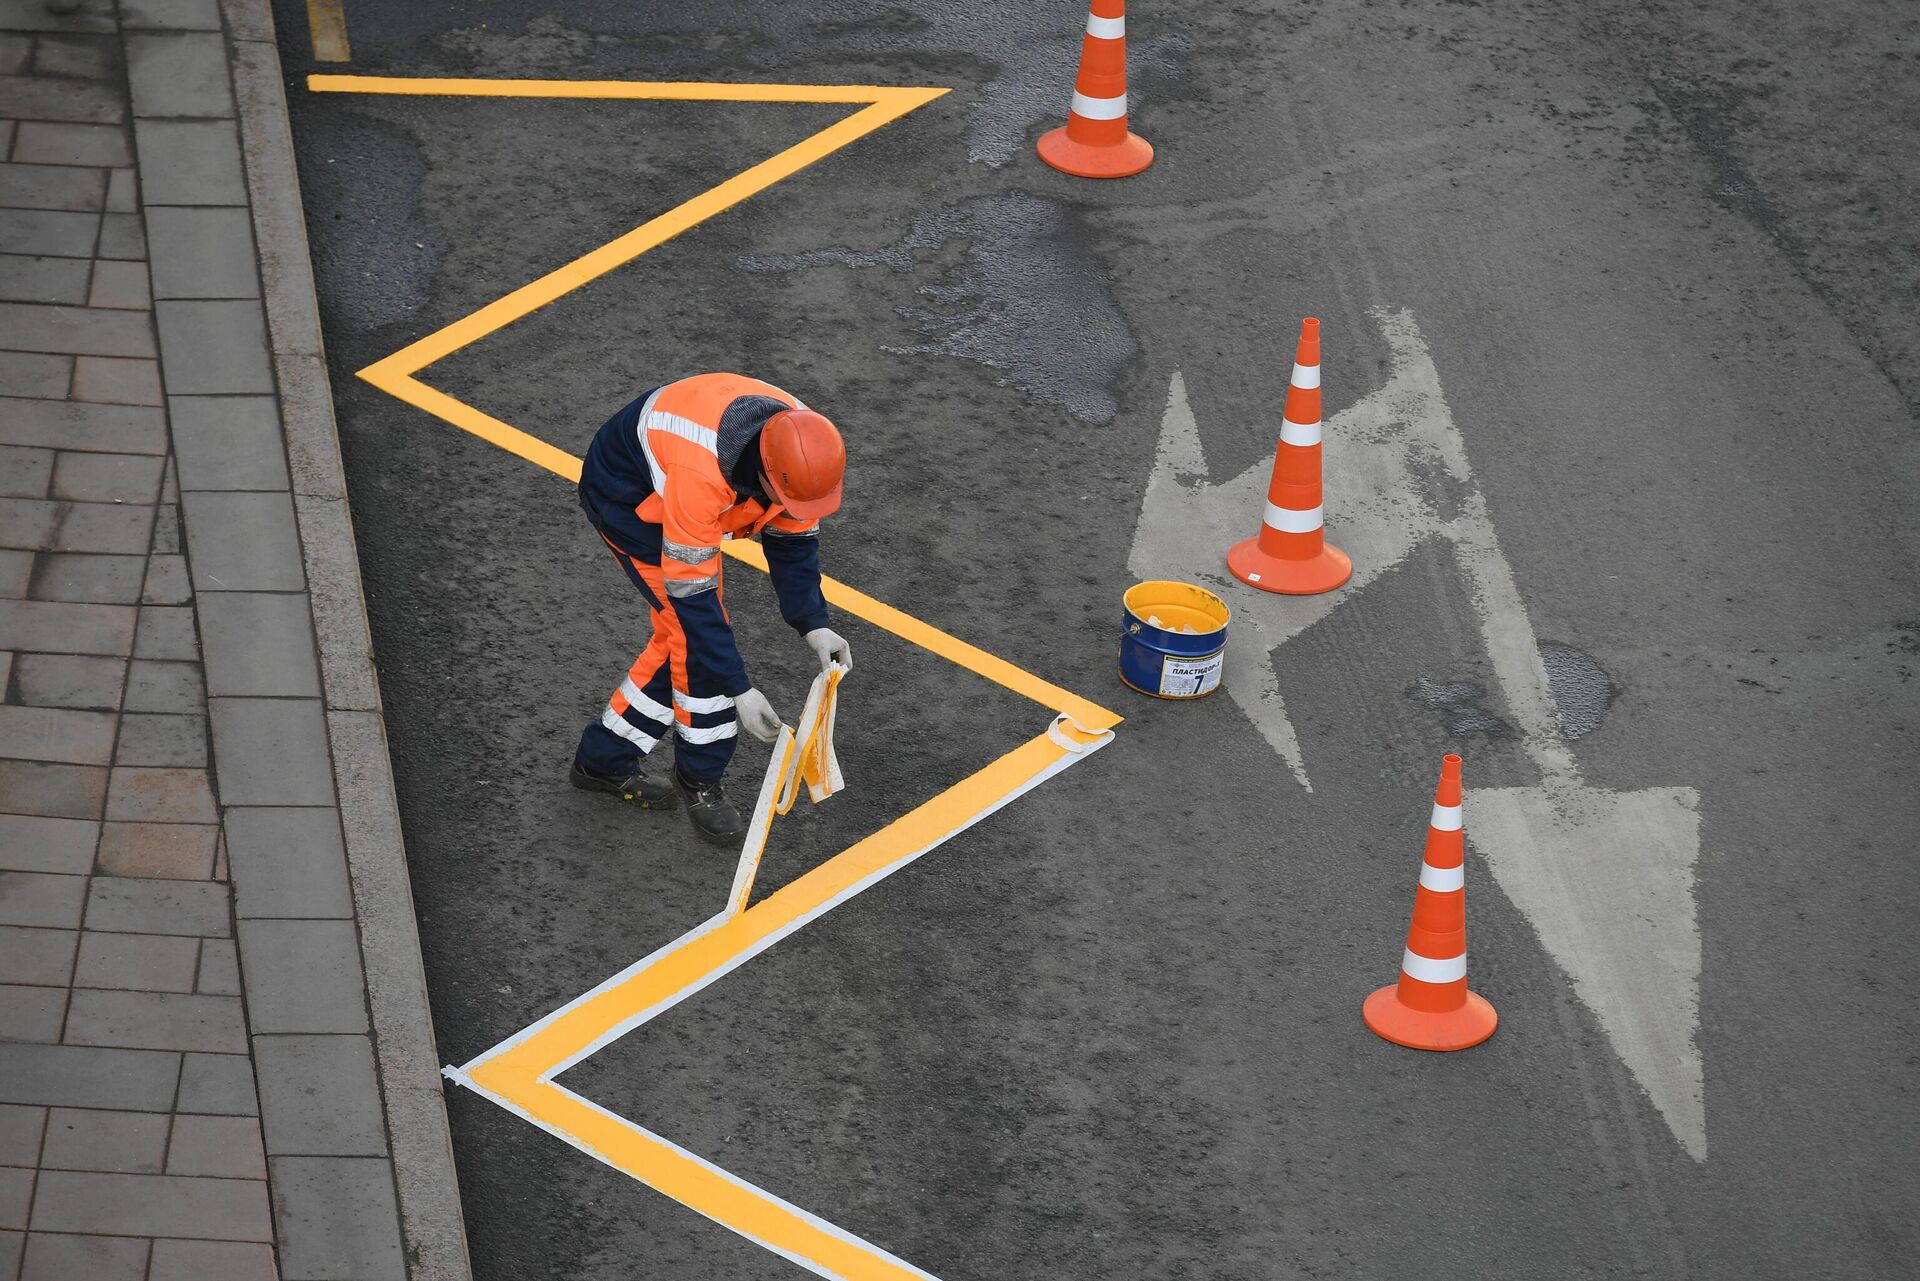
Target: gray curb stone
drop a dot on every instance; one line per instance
(405, 1057)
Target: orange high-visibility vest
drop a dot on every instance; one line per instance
(682, 429)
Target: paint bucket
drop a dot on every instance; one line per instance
(1173, 641)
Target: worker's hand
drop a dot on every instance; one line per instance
(831, 647)
(757, 716)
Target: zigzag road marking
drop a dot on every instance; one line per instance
(518, 1073)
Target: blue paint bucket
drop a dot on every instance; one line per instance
(1173, 641)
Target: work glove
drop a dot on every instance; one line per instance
(757, 716)
(830, 647)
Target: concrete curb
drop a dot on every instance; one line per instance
(408, 1063)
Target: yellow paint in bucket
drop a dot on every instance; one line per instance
(1174, 639)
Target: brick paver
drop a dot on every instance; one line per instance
(117, 380)
(52, 1254)
(74, 425)
(37, 844)
(31, 374)
(181, 1096)
(210, 1261)
(119, 983)
(27, 473)
(144, 962)
(31, 956)
(149, 1205)
(69, 680)
(96, 1139)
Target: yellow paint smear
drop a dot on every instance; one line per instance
(327, 28)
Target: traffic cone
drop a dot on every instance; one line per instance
(1290, 553)
(1094, 143)
(1430, 1007)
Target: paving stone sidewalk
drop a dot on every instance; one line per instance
(194, 793)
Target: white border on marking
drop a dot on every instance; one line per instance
(1072, 752)
(774, 936)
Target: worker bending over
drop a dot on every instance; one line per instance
(665, 480)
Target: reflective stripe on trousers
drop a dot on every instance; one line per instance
(659, 697)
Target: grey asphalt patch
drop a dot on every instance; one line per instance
(1027, 299)
(1460, 701)
(379, 255)
(1582, 690)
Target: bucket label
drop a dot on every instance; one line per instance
(1191, 677)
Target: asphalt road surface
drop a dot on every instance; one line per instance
(1630, 293)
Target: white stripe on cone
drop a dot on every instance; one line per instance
(1306, 377)
(1292, 433)
(1446, 818)
(1114, 108)
(1442, 880)
(1427, 969)
(1289, 521)
(1106, 28)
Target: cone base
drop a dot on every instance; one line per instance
(1457, 1029)
(1270, 573)
(1122, 159)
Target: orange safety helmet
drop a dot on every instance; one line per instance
(804, 459)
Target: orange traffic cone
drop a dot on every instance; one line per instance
(1290, 553)
(1095, 143)
(1430, 1007)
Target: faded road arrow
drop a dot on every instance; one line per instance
(1606, 878)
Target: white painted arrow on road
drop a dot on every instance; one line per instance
(1605, 877)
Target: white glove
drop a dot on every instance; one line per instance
(757, 716)
(831, 647)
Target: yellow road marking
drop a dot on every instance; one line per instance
(884, 106)
(709, 1190)
(518, 1073)
(395, 374)
(464, 416)
(680, 970)
(648, 90)
(327, 27)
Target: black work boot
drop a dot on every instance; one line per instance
(712, 814)
(642, 790)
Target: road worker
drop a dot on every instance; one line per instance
(665, 481)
